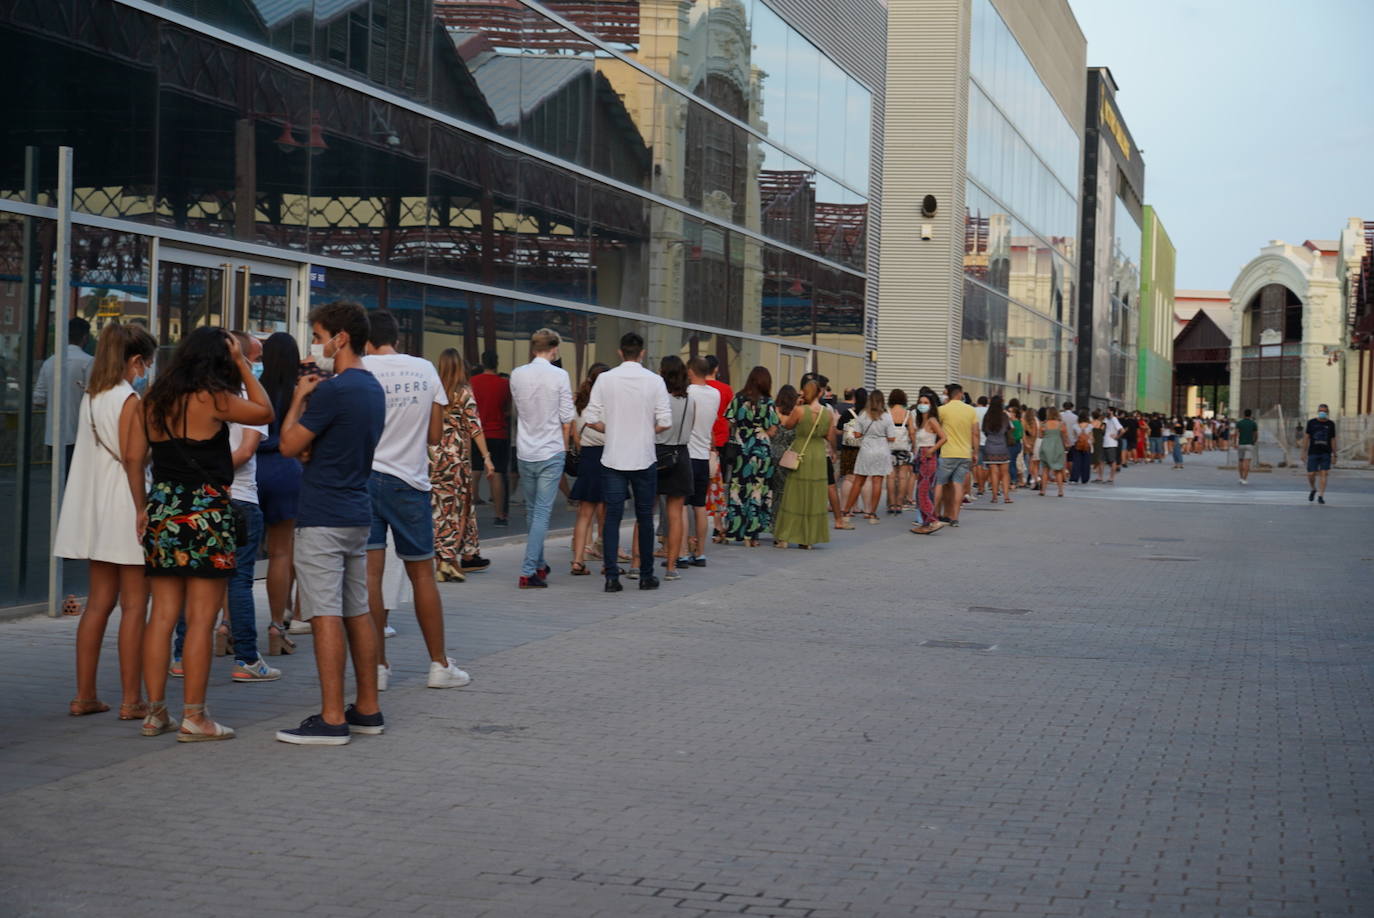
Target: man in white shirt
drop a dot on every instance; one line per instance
(980, 460)
(75, 372)
(400, 490)
(630, 405)
(707, 403)
(1068, 418)
(542, 398)
(1111, 442)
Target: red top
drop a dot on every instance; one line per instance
(720, 431)
(492, 393)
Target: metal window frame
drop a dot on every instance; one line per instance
(424, 111)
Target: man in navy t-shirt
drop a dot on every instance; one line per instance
(1319, 449)
(339, 420)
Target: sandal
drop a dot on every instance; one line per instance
(224, 643)
(579, 569)
(277, 641)
(843, 523)
(779, 544)
(157, 721)
(72, 606)
(872, 518)
(80, 707)
(136, 711)
(192, 732)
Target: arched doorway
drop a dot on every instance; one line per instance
(1271, 352)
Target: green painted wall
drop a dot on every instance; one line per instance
(1155, 362)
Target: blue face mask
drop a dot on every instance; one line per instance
(257, 370)
(1322, 415)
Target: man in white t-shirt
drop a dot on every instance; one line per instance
(400, 490)
(1111, 442)
(542, 397)
(980, 459)
(707, 402)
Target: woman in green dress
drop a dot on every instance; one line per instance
(804, 502)
(753, 420)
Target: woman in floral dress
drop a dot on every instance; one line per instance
(753, 420)
(455, 523)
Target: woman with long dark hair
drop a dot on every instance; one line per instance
(753, 420)
(279, 489)
(899, 483)
(456, 547)
(99, 518)
(674, 465)
(996, 429)
(588, 443)
(929, 437)
(874, 433)
(188, 527)
(780, 443)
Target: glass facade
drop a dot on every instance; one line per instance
(695, 171)
(1124, 292)
(1021, 225)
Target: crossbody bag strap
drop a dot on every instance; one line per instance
(95, 430)
(815, 422)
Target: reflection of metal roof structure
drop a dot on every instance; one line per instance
(321, 12)
(515, 85)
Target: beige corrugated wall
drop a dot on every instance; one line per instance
(924, 149)
(924, 152)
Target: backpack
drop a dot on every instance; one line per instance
(1084, 443)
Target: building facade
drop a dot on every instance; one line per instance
(1109, 266)
(704, 172)
(984, 119)
(1290, 330)
(1155, 343)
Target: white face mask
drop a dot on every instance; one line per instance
(923, 407)
(321, 361)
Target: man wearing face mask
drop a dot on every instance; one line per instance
(1318, 450)
(339, 420)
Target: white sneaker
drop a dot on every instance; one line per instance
(383, 677)
(450, 676)
(1244, 482)
(388, 631)
(298, 627)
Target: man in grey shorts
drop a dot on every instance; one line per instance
(339, 419)
(1246, 435)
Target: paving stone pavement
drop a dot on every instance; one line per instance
(1174, 718)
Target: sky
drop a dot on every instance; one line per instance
(1255, 118)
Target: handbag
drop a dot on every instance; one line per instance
(792, 458)
(668, 455)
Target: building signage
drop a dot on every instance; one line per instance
(1112, 122)
(316, 278)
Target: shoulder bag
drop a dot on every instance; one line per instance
(792, 458)
(668, 455)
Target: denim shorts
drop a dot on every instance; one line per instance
(1319, 462)
(406, 512)
(951, 470)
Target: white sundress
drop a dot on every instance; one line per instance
(875, 453)
(98, 520)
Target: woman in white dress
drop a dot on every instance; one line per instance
(99, 521)
(874, 433)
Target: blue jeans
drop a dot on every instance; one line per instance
(1178, 450)
(1080, 465)
(539, 480)
(243, 616)
(615, 486)
(1013, 454)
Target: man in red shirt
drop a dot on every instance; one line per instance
(491, 390)
(720, 435)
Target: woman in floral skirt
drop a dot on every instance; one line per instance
(753, 420)
(455, 524)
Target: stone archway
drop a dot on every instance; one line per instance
(1271, 351)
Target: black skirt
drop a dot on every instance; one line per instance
(587, 485)
(676, 481)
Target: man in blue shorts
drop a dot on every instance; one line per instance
(1319, 448)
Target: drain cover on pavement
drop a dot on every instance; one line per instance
(998, 611)
(958, 645)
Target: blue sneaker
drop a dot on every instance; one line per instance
(368, 724)
(315, 731)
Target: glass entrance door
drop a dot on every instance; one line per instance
(793, 364)
(196, 288)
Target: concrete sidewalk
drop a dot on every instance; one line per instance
(1144, 699)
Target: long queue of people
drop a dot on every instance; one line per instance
(330, 462)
